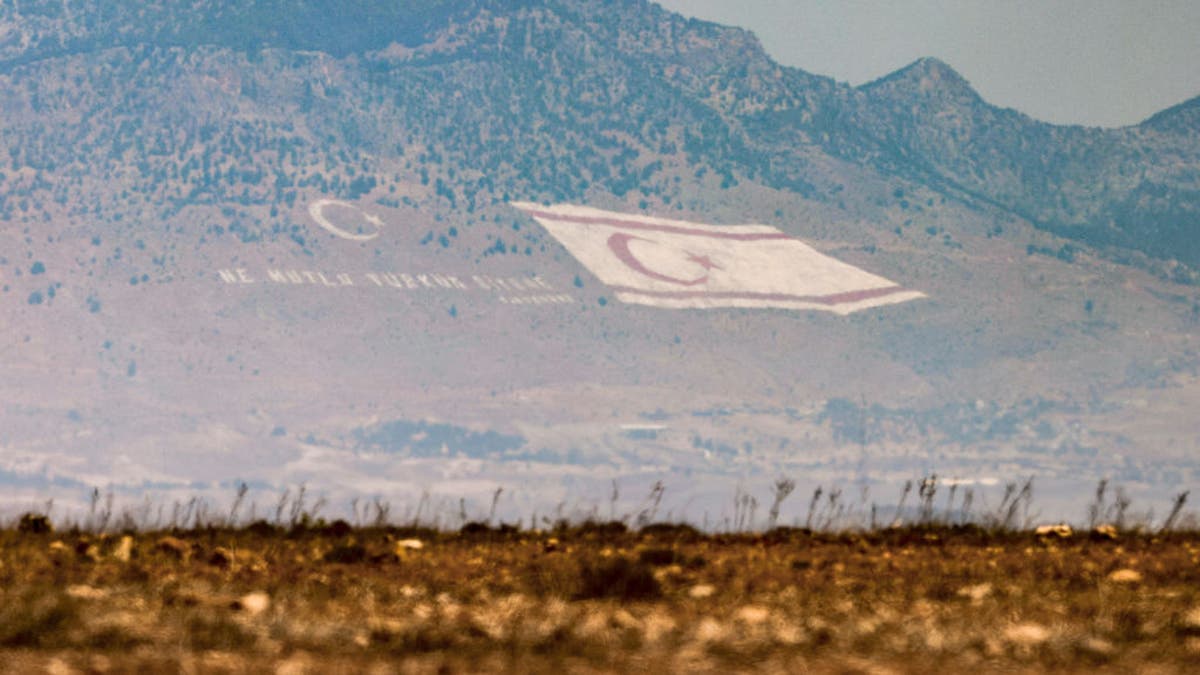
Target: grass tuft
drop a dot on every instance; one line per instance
(619, 578)
(34, 523)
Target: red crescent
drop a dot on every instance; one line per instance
(619, 245)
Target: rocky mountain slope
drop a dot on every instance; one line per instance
(531, 94)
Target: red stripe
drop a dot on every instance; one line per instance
(834, 299)
(654, 227)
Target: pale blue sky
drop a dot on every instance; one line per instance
(1096, 62)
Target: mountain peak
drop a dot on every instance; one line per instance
(926, 75)
(932, 65)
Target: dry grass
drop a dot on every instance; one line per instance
(596, 598)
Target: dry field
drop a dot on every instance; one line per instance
(596, 598)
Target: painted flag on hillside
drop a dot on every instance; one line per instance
(675, 263)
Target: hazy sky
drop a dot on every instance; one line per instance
(1097, 62)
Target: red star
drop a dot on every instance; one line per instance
(703, 261)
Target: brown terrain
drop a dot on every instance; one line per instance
(597, 598)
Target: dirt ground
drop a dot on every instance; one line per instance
(596, 598)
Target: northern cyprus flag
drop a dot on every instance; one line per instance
(676, 263)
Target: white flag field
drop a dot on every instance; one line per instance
(680, 264)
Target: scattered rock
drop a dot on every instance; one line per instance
(84, 592)
(221, 557)
(935, 640)
(1189, 623)
(788, 633)
(123, 551)
(298, 663)
(57, 666)
(593, 626)
(668, 573)
(976, 593)
(1058, 531)
(173, 546)
(701, 591)
(1096, 648)
(709, 630)
(87, 551)
(621, 618)
(1104, 532)
(658, 625)
(867, 625)
(253, 603)
(820, 630)
(1026, 635)
(1125, 576)
(384, 629)
(753, 614)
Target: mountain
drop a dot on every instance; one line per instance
(740, 112)
(177, 317)
(1182, 120)
(1119, 188)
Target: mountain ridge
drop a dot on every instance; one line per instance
(1183, 118)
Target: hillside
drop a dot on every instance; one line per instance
(177, 318)
(637, 82)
